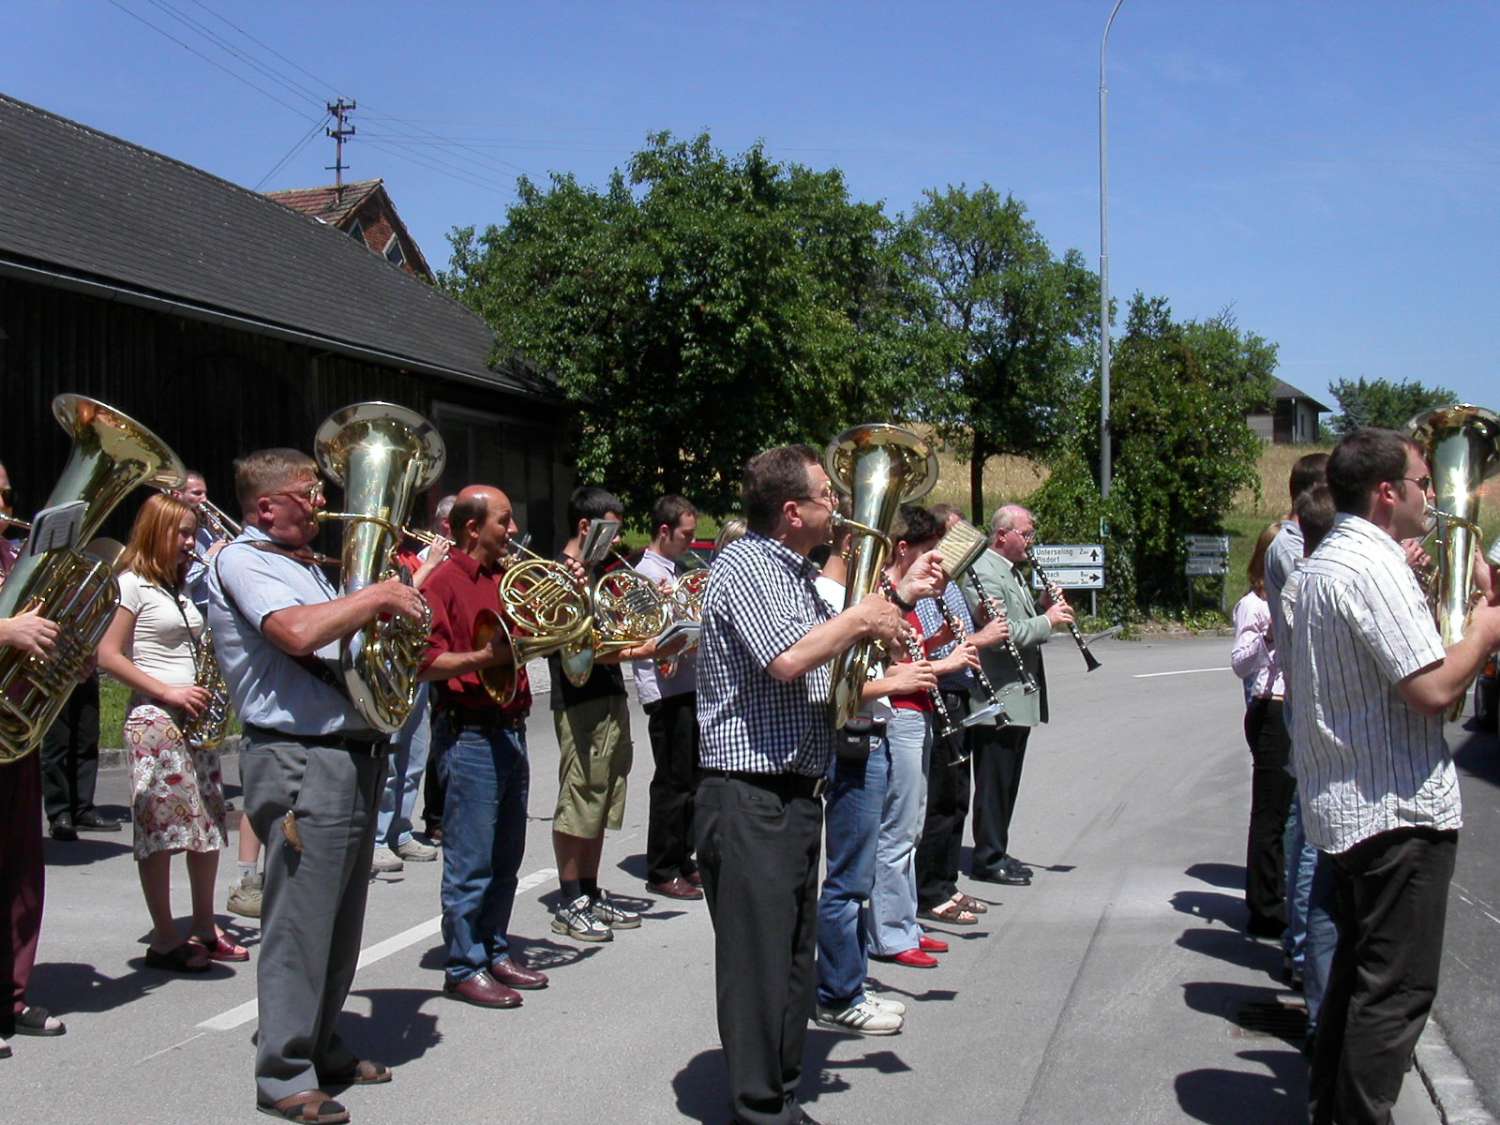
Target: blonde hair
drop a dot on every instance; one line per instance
(731, 529)
(152, 552)
(265, 471)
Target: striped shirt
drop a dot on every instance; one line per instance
(930, 619)
(1366, 762)
(760, 602)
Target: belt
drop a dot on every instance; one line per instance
(482, 720)
(782, 784)
(368, 747)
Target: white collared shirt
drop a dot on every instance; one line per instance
(1366, 761)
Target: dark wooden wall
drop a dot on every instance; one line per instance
(213, 392)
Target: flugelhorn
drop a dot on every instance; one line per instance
(1462, 447)
(879, 467)
(383, 455)
(112, 454)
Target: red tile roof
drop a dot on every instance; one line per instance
(326, 203)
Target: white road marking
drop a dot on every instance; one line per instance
(244, 1013)
(173, 1047)
(1184, 672)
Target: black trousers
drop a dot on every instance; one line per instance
(758, 852)
(947, 808)
(1272, 789)
(999, 755)
(1391, 894)
(434, 788)
(70, 753)
(673, 726)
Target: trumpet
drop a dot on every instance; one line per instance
(1054, 591)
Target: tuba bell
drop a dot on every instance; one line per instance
(111, 455)
(383, 455)
(879, 467)
(1462, 447)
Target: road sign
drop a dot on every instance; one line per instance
(1199, 566)
(1070, 554)
(1073, 577)
(1207, 544)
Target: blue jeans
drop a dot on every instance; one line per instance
(1300, 857)
(408, 759)
(484, 837)
(1322, 940)
(892, 918)
(851, 814)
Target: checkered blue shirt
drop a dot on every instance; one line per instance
(761, 601)
(930, 618)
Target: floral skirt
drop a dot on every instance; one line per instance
(177, 791)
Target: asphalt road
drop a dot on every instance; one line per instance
(1115, 988)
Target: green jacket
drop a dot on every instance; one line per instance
(1028, 629)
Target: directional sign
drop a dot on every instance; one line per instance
(1070, 554)
(1073, 577)
(1204, 565)
(1207, 544)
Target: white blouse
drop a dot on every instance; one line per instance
(160, 645)
(1253, 659)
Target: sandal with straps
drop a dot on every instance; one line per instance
(364, 1072)
(311, 1107)
(949, 912)
(220, 948)
(36, 1020)
(970, 903)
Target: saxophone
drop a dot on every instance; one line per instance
(207, 731)
(112, 453)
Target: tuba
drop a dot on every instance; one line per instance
(1462, 447)
(383, 455)
(111, 455)
(547, 613)
(879, 467)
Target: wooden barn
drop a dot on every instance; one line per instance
(227, 322)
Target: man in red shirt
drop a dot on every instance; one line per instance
(483, 751)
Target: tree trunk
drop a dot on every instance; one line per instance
(976, 483)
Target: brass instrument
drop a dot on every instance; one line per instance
(1054, 591)
(112, 454)
(995, 607)
(880, 467)
(629, 610)
(383, 455)
(1462, 446)
(687, 605)
(547, 613)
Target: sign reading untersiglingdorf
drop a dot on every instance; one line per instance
(1207, 555)
(1073, 566)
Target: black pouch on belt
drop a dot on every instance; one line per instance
(854, 740)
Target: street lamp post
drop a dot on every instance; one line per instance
(1104, 450)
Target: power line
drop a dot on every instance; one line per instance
(492, 160)
(212, 62)
(442, 168)
(266, 46)
(295, 149)
(224, 45)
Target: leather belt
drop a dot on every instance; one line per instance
(482, 720)
(368, 747)
(782, 784)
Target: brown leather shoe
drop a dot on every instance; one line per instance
(676, 887)
(511, 973)
(483, 990)
(312, 1107)
(694, 877)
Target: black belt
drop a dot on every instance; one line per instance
(782, 784)
(367, 747)
(482, 720)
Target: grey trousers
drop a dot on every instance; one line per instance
(313, 910)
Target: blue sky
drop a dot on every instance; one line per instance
(1327, 170)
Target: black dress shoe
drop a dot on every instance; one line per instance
(1003, 876)
(90, 821)
(1016, 867)
(62, 828)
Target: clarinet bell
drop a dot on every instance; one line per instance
(988, 711)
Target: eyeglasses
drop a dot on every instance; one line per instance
(1026, 536)
(827, 495)
(1424, 483)
(311, 494)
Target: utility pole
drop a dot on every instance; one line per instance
(1104, 435)
(339, 110)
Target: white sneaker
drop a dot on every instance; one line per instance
(577, 921)
(894, 1007)
(414, 851)
(863, 1018)
(385, 860)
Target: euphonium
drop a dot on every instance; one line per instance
(111, 455)
(383, 455)
(542, 610)
(880, 467)
(1462, 447)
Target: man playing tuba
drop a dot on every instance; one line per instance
(312, 772)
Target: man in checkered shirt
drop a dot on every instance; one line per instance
(767, 738)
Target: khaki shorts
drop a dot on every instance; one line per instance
(594, 758)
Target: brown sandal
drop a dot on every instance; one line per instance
(970, 903)
(311, 1107)
(950, 913)
(364, 1072)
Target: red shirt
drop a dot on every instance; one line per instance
(458, 590)
(917, 700)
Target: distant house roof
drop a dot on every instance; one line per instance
(88, 211)
(1286, 390)
(338, 208)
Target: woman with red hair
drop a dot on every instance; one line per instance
(177, 792)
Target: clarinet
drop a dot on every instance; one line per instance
(992, 707)
(996, 609)
(1054, 592)
(914, 651)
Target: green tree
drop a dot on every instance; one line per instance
(1013, 325)
(1182, 449)
(699, 309)
(1380, 402)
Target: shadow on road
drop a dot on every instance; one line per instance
(84, 850)
(1476, 756)
(68, 986)
(700, 1085)
(1233, 948)
(537, 953)
(1212, 907)
(1230, 876)
(397, 1030)
(1227, 1097)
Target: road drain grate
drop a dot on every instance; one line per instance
(1269, 1019)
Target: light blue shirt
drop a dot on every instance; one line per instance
(269, 688)
(650, 685)
(197, 572)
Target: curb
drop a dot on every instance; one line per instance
(1453, 1091)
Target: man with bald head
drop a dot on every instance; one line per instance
(482, 748)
